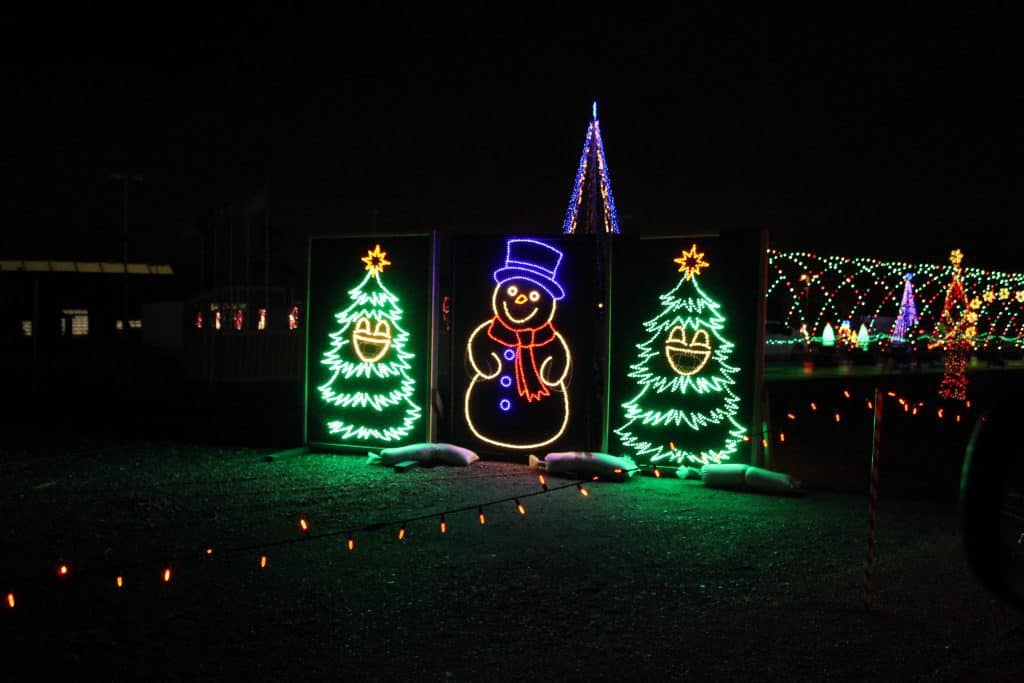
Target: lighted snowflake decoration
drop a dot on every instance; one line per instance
(971, 332)
(1004, 294)
(989, 296)
(690, 262)
(1020, 296)
(975, 303)
(375, 261)
(955, 257)
(972, 317)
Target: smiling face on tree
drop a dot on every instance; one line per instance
(371, 340)
(522, 303)
(687, 356)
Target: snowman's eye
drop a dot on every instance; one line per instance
(535, 296)
(512, 290)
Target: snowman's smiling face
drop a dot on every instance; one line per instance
(520, 302)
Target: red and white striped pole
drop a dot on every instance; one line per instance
(869, 559)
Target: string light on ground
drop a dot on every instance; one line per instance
(401, 533)
(167, 571)
(910, 407)
(303, 524)
(543, 481)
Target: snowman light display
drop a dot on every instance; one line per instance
(518, 396)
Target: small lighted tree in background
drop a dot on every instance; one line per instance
(828, 336)
(955, 332)
(685, 410)
(370, 388)
(863, 337)
(907, 317)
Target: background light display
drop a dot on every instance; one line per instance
(593, 181)
(812, 290)
(522, 337)
(955, 333)
(683, 348)
(369, 341)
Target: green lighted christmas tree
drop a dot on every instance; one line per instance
(685, 411)
(370, 388)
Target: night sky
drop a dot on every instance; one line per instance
(866, 132)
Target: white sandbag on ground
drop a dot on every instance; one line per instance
(425, 453)
(686, 472)
(723, 476)
(587, 464)
(770, 482)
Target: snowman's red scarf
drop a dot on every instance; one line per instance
(524, 340)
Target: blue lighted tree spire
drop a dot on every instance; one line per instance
(907, 317)
(591, 205)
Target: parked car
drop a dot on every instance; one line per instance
(992, 501)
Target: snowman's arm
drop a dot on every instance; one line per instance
(478, 360)
(554, 368)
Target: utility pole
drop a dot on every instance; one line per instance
(125, 179)
(266, 244)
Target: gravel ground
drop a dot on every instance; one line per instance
(655, 578)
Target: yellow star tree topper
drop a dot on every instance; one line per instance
(375, 261)
(690, 262)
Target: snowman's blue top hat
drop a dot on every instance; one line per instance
(534, 261)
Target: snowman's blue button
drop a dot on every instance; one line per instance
(510, 354)
(506, 381)
(505, 404)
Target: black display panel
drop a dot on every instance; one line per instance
(369, 341)
(523, 317)
(686, 315)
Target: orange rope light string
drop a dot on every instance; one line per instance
(167, 571)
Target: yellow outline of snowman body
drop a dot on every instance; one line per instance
(479, 375)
